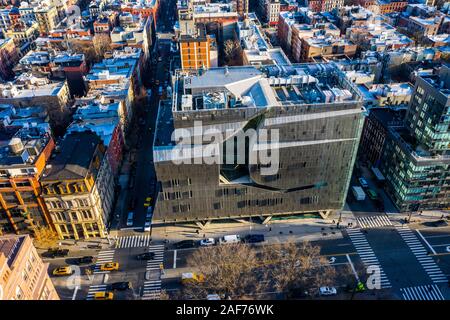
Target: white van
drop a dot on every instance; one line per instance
(130, 219)
(233, 238)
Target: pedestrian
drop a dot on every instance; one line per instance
(270, 229)
(442, 217)
(204, 235)
(198, 231)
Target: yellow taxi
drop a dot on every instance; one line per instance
(192, 277)
(106, 295)
(148, 202)
(63, 271)
(110, 266)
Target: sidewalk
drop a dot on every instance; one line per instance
(424, 216)
(311, 229)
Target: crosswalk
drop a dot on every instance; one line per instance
(133, 241)
(152, 288)
(429, 292)
(374, 221)
(104, 256)
(95, 288)
(367, 255)
(417, 248)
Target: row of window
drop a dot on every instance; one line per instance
(176, 183)
(7, 184)
(65, 188)
(259, 203)
(177, 195)
(68, 204)
(74, 216)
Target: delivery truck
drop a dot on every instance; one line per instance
(358, 193)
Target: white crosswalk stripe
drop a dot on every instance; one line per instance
(95, 288)
(374, 221)
(367, 255)
(152, 288)
(133, 241)
(417, 248)
(429, 292)
(103, 257)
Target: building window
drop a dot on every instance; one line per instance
(19, 293)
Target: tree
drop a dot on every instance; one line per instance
(164, 295)
(232, 52)
(291, 266)
(81, 47)
(45, 237)
(229, 270)
(102, 44)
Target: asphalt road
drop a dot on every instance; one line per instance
(145, 177)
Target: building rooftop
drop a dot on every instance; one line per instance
(388, 117)
(244, 87)
(10, 246)
(21, 145)
(440, 80)
(73, 158)
(27, 86)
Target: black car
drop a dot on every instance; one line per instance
(184, 244)
(55, 252)
(146, 256)
(84, 260)
(253, 238)
(121, 286)
(438, 223)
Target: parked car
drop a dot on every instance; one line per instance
(147, 225)
(372, 194)
(130, 219)
(146, 256)
(109, 266)
(253, 238)
(363, 182)
(207, 242)
(63, 271)
(149, 212)
(120, 286)
(84, 260)
(56, 252)
(106, 295)
(184, 244)
(327, 291)
(229, 239)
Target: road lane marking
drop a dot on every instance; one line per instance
(75, 292)
(175, 259)
(442, 245)
(352, 266)
(423, 238)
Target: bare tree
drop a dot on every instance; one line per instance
(232, 52)
(164, 295)
(229, 270)
(45, 237)
(292, 267)
(102, 44)
(82, 47)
